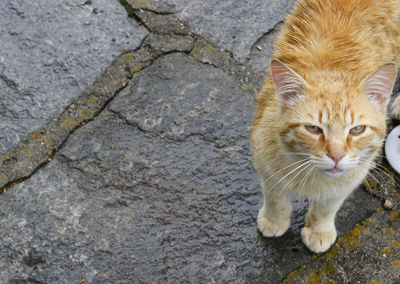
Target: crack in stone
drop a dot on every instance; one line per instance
(17, 12)
(165, 138)
(23, 166)
(131, 13)
(38, 149)
(351, 240)
(267, 33)
(9, 82)
(163, 8)
(126, 121)
(212, 140)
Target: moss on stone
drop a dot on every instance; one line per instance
(3, 179)
(141, 4)
(396, 264)
(289, 279)
(393, 214)
(85, 112)
(194, 54)
(389, 231)
(69, 123)
(137, 70)
(36, 135)
(209, 48)
(92, 100)
(126, 57)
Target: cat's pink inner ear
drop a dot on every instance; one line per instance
(287, 83)
(379, 85)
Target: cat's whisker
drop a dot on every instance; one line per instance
(307, 164)
(391, 178)
(369, 186)
(378, 171)
(294, 153)
(369, 174)
(379, 168)
(374, 155)
(304, 176)
(373, 177)
(318, 161)
(368, 164)
(288, 174)
(303, 181)
(288, 166)
(312, 180)
(382, 167)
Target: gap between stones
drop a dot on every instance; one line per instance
(266, 34)
(22, 161)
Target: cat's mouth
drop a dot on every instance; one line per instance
(334, 170)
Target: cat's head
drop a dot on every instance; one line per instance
(331, 122)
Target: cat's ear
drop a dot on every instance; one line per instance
(378, 86)
(288, 84)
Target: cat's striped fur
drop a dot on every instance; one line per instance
(321, 114)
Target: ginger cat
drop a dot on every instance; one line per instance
(321, 114)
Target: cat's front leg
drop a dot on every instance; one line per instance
(274, 217)
(319, 232)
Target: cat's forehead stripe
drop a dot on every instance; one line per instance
(325, 116)
(348, 115)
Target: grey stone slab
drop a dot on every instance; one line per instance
(125, 201)
(50, 53)
(233, 25)
(213, 110)
(369, 253)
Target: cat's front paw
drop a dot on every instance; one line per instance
(318, 241)
(271, 228)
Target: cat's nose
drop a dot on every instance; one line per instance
(336, 156)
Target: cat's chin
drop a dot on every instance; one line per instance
(334, 172)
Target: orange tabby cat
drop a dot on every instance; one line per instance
(321, 114)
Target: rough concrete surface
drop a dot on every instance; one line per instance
(158, 188)
(52, 50)
(233, 25)
(146, 176)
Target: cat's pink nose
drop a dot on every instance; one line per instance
(336, 156)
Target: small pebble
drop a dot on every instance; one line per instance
(388, 204)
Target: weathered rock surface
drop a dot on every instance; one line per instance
(233, 25)
(158, 188)
(50, 53)
(369, 253)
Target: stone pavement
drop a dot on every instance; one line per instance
(126, 155)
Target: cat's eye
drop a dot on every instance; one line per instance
(314, 129)
(357, 130)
